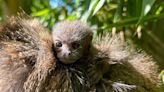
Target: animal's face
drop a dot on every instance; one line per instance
(71, 40)
(68, 51)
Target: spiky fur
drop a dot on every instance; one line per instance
(113, 54)
(26, 55)
(28, 64)
(133, 67)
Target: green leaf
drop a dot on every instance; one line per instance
(146, 7)
(134, 7)
(92, 6)
(162, 75)
(119, 10)
(72, 17)
(132, 21)
(159, 10)
(77, 3)
(86, 4)
(99, 5)
(42, 12)
(88, 13)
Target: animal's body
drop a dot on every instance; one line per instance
(29, 63)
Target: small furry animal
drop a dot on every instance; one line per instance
(32, 61)
(73, 45)
(71, 41)
(104, 59)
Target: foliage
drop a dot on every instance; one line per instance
(103, 14)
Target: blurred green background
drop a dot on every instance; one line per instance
(140, 22)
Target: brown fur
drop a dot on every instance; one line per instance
(111, 59)
(133, 67)
(26, 55)
(28, 63)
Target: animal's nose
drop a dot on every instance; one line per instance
(67, 53)
(66, 50)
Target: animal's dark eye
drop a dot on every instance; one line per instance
(58, 44)
(75, 45)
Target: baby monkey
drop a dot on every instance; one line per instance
(73, 44)
(72, 41)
